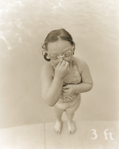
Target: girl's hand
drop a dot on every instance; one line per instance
(62, 69)
(68, 90)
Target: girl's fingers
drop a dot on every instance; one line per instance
(65, 90)
(63, 62)
(66, 87)
(59, 63)
(66, 64)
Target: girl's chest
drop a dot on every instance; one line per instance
(68, 78)
(74, 77)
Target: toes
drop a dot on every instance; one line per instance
(71, 132)
(58, 127)
(56, 131)
(71, 127)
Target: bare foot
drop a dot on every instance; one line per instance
(71, 127)
(58, 126)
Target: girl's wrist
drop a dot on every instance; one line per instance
(58, 79)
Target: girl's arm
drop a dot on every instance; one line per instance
(51, 88)
(87, 82)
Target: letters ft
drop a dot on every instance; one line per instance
(110, 134)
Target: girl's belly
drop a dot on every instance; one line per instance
(68, 98)
(64, 105)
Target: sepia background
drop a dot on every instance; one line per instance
(24, 24)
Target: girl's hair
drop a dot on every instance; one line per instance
(53, 36)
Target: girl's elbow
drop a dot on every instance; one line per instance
(49, 103)
(91, 86)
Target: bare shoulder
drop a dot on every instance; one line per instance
(81, 63)
(46, 73)
(79, 60)
(47, 68)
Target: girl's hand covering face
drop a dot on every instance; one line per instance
(68, 89)
(62, 69)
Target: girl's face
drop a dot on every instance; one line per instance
(60, 48)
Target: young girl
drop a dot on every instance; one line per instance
(64, 77)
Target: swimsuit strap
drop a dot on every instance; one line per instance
(76, 71)
(76, 75)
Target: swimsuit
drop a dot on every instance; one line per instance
(64, 101)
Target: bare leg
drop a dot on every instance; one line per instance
(58, 123)
(70, 114)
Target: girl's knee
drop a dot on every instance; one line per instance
(70, 112)
(73, 108)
